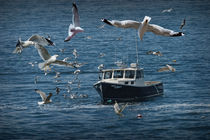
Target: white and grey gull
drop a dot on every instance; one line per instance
(48, 59)
(143, 27)
(45, 99)
(34, 39)
(74, 28)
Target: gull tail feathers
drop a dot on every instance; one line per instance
(43, 66)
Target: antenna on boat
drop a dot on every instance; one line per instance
(137, 54)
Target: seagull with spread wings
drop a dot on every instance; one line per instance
(143, 27)
(48, 59)
(45, 99)
(74, 28)
(34, 39)
(119, 110)
(167, 68)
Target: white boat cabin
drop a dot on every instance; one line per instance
(126, 76)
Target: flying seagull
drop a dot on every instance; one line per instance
(167, 10)
(45, 99)
(143, 27)
(119, 110)
(34, 39)
(167, 68)
(74, 28)
(158, 53)
(48, 59)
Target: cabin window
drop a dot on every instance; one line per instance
(138, 74)
(129, 73)
(108, 75)
(118, 74)
(132, 82)
(126, 83)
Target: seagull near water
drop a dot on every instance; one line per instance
(74, 28)
(167, 68)
(48, 59)
(167, 10)
(34, 39)
(45, 99)
(158, 53)
(143, 27)
(119, 110)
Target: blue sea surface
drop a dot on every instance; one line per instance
(183, 112)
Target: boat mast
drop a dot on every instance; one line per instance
(137, 54)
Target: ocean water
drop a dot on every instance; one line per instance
(183, 112)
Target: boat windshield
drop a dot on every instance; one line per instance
(139, 74)
(118, 74)
(129, 74)
(108, 75)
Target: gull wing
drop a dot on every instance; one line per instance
(116, 108)
(75, 16)
(43, 52)
(48, 97)
(42, 94)
(163, 69)
(123, 23)
(158, 30)
(121, 110)
(39, 40)
(62, 63)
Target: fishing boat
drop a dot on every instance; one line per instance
(126, 84)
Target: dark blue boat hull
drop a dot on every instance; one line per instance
(110, 92)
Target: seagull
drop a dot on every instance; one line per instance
(57, 74)
(78, 65)
(48, 59)
(158, 53)
(57, 90)
(183, 23)
(119, 110)
(34, 39)
(167, 10)
(74, 28)
(143, 27)
(75, 53)
(167, 68)
(101, 67)
(101, 55)
(45, 99)
(73, 96)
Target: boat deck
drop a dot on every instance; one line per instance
(149, 83)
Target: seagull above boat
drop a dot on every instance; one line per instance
(143, 27)
(119, 110)
(34, 39)
(48, 59)
(45, 99)
(167, 68)
(74, 28)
